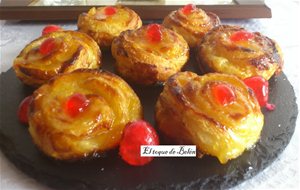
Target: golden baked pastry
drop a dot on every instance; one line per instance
(149, 54)
(80, 113)
(216, 112)
(106, 23)
(191, 22)
(54, 53)
(233, 50)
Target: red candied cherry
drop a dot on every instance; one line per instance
(187, 9)
(260, 87)
(50, 28)
(154, 33)
(223, 94)
(76, 104)
(241, 35)
(47, 46)
(110, 11)
(136, 134)
(24, 109)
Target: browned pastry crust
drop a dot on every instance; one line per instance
(74, 50)
(192, 26)
(112, 104)
(188, 113)
(147, 63)
(258, 56)
(105, 28)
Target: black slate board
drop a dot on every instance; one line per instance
(110, 172)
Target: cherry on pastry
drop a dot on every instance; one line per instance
(223, 94)
(241, 36)
(47, 46)
(154, 33)
(110, 11)
(187, 9)
(260, 87)
(50, 28)
(76, 104)
(136, 134)
(24, 109)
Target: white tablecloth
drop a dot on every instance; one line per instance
(284, 27)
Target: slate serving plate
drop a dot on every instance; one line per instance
(110, 172)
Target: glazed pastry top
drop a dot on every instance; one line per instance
(123, 18)
(191, 22)
(150, 54)
(138, 46)
(79, 113)
(197, 94)
(231, 49)
(56, 52)
(104, 25)
(198, 21)
(216, 112)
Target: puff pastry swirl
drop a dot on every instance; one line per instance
(192, 26)
(104, 28)
(147, 63)
(71, 50)
(111, 105)
(188, 113)
(259, 55)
